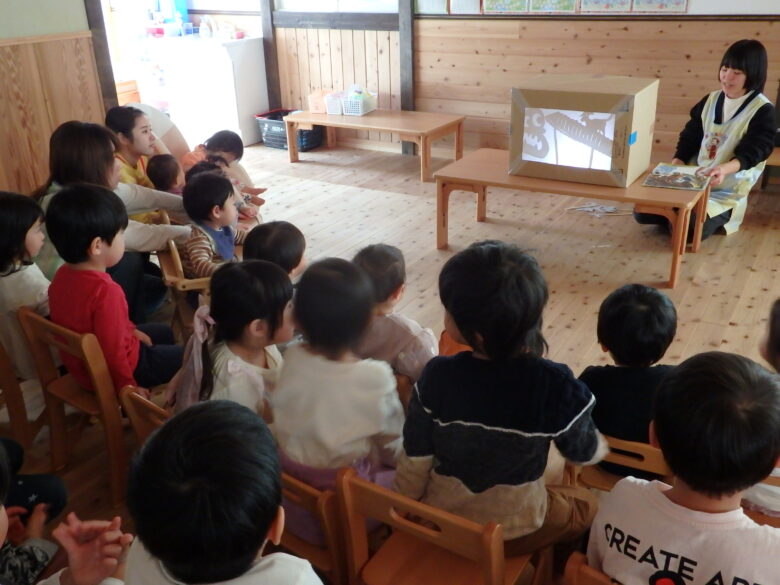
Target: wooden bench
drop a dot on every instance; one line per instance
(487, 167)
(419, 127)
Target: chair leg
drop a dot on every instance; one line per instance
(58, 432)
(117, 457)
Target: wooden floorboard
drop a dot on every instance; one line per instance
(343, 199)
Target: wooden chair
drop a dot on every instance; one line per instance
(59, 389)
(23, 430)
(145, 416)
(578, 572)
(330, 559)
(640, 456)
(760, 517)
(173, 276)
(445, 549)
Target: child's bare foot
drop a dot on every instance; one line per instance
(254, 190)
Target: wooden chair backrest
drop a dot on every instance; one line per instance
(145, 416)
(361, 499)
(21, 430)
(578, 572)
(42, 335)
(637, 456)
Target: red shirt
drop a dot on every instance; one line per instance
(88, 301)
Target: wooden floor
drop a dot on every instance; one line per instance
(344, 199)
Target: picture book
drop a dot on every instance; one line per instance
(671, 176)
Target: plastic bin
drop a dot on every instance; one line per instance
(274, 133)
(359, 106)
(333, 103)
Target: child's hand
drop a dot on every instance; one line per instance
(143, 337)
(36, 521)
(259, 201)
(248, 211)
(96, 549)
(17, 533)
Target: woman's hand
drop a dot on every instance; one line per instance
(719, 172)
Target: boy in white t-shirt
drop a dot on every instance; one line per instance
(717, 421)
(205, 495)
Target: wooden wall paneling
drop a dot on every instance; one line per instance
(303, 64)
(284, 72)
(469, 66)
(327, 56)
(395, 76)
(336, 63)
(68, 73)
(315, 76)
(24, 121)
(372, 66)
(359, 64)
(383, 72)
(271, 44)
(291, 43)
(348, 70)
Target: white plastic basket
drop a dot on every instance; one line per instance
(359, 107)
(333, 102)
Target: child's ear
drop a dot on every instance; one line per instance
(652, 436)
(258, 328)
(216, 211)
(277, 527)
(604, 348)
(95, 247)
(398, 293)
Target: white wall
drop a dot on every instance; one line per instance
(733, 7)
(27, 18)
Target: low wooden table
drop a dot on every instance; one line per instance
(487, 167)
(419, 127)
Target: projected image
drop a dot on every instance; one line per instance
(569, 138)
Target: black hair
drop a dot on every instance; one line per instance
(749, 56)
(80, 152)
(385, 266)
(203, 192)
(637, 323)
(226, 141)
(333, 304)
(240, 293)
(717, 421)
(121, 119)
(220, 161)
(773, 337)
(496, 294)
(203, 166)
(204, 491)
(279, 242)
(18, 213)
(163, 170)
(80, 213)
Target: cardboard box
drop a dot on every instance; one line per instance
(583, 128)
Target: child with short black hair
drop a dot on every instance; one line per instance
(205, 495)
(279, 242)
(390, 336)
(332, 409)
(766, 498)
(716, 419)
(232, 353)
(211, 204)
(636, 325)
(86, 224)
(480, 423)
(22, 284)
(166, 174)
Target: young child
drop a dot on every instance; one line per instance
(766, 498)
(480, 423)
(205, 495)
(251, 311)
(165, 173)
(717, 420)
(95, 549)
(137, 143)
(86, 223)
(245, 210)
(229, 146)
(279, 242)
(22, 284)
(211, 205)
(636, 325)
(248, 194)
(390, 336)
(332, 409)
